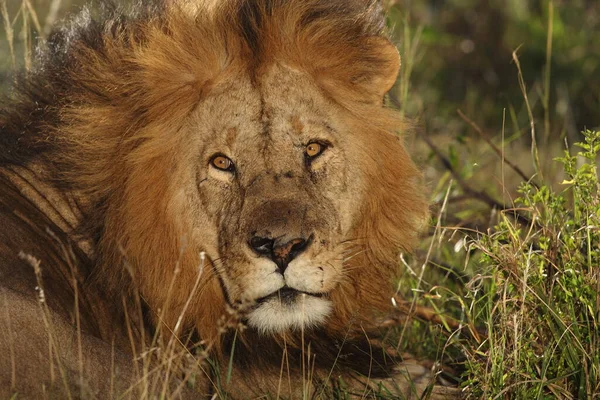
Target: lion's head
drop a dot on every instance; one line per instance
(254, 133)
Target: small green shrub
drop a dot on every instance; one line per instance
(538, 292)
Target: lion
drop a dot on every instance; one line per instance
(217, 187)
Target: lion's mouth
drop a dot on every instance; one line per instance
(287, 295)
(289, 309)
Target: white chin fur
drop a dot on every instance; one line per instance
(274, 316)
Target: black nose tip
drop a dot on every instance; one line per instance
(282, 253)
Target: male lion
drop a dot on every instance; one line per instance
(210, 192)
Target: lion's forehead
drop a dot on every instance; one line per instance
(256, 119)
(287, 89)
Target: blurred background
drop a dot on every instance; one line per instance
(495, 91)
(484, 81)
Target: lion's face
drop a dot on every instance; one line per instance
(277, 190)
(265, 145)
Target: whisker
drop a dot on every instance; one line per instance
(352, 240)
(345, 260)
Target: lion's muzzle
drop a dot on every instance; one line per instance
(282, 237)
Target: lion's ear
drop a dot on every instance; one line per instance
(364, 73)
(385, 66)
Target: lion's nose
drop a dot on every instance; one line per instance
(280, 251)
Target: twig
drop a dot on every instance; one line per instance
(453, 273)
(428, 314)
(480, 133)
(476, 194)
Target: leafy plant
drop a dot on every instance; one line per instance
(538, 292)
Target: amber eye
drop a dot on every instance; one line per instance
(221, 162)
(313, 149)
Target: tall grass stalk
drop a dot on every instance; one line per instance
(51, 17)
(26, 34)
(8, 29)
(54, 357)
(548, 71)
(437, 235)
(534, 146)
(409, 46)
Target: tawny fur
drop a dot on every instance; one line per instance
(105, 125)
